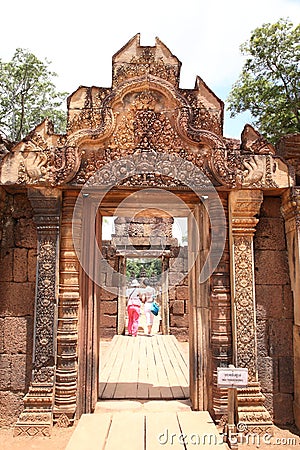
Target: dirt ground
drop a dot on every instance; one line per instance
(58, 440)
(285, 439)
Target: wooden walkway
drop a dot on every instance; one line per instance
(145, 367)
(127, 430)
(143, 401)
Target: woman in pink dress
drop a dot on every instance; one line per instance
(133, 295)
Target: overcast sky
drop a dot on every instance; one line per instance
(80, 38)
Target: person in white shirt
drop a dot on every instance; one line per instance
(134, 296)
(149, 294)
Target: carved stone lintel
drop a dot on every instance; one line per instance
(36, 418)
(244, 208)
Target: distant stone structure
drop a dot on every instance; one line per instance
(146, 136)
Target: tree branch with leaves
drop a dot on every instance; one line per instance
(28, 95)
(269, 85)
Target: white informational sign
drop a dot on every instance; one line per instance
(232, 377)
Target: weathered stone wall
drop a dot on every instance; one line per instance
(108, 300)
(274, 312)
(179, 296)
(17, 288)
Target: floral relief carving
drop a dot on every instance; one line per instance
(45, 303)
(244, 304)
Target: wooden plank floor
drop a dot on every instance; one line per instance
(145, 367)
(146, 430)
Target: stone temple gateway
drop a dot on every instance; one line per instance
(145, 138)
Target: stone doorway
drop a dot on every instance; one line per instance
(195, 315)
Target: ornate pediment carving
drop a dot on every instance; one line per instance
(146, 112)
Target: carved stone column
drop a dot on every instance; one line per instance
(67, 329)
(244, 205)
(221, 332)
(37, 416)
(291, 212)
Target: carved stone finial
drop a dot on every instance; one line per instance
(253, 142)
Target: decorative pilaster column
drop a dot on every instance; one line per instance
(37, 416)
(65, 402)
(221, 331)
(291, 212)
(244, 206)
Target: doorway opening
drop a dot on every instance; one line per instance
(147, 272)
(153, 249)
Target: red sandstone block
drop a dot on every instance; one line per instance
(1, 335)
(270, 234)
(6, 265)
(107, 333)
(8, 238)
(31, 269)
(281, 337)
(176, 265)
(25, 233)
(175, 278)
(269, 301)
(11, 406)
(105, 295)
(271, 267)
(20, 264)
(283, 409)
(179, 321)
(178, 307)
(288, 303)
(108, 307)
(182, 334)
(271, 207)
(21, 206)
(172, 293)
(18, 373)
(262, 337)
(268, 373)
(5, 371)
(107, 321)
(286, 375)
(17, 299)
(182, 293)
(15, 335)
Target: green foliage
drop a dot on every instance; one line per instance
(28, 96)
(138, 268)
(269, 85)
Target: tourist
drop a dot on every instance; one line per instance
(149, 297)
(134, 302)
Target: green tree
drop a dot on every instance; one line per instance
(269, 85)
(135, 267)
(28, 95)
